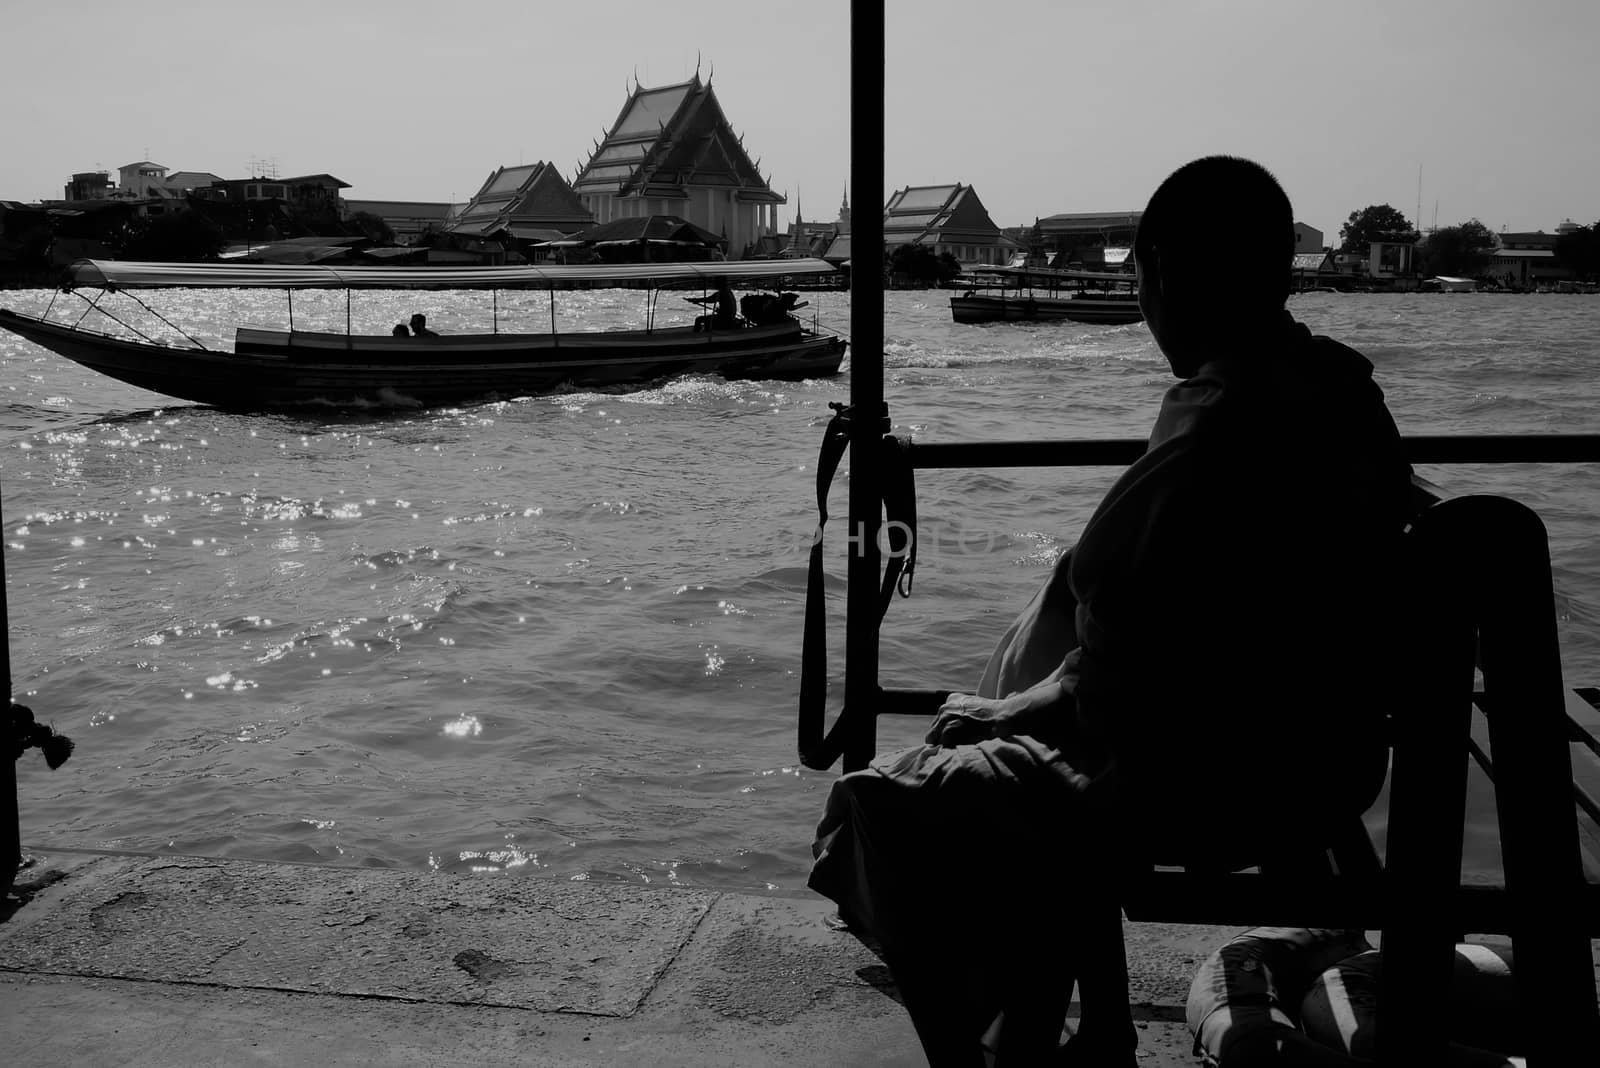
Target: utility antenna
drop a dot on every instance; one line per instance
(1419, 197)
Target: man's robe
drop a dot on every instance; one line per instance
(1223, 631)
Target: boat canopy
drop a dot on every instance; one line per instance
(127, 274)
(1123, 278)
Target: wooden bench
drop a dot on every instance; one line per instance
(1484, 599)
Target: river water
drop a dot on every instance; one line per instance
(561, 635)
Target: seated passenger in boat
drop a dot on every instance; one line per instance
(1201, 679)
(401, 330)
(419, 326)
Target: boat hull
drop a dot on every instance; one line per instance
(276, 369)
(1104, 310)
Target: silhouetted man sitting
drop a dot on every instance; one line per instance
(726, 317)
(419, 326)
(1201, 681)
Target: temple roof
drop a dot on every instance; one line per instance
(667, 228)
(534, 196)
(930, 214)
(667, 139)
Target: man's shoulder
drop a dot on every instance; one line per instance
(1333, 350)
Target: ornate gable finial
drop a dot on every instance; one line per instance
(697, 64)
(712, 73)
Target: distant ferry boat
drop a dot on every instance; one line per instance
(1020, 294)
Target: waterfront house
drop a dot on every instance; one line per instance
(88, 185)
(671, 151)
(146, 184)
(144, 180)
(1314, 270)
(1307, 239)
(182, 183)
(945, 218)
(1526, 260)
(315, 195)
(1393, 260)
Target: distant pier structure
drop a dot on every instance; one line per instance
(673, 152)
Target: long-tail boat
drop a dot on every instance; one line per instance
(268, 369)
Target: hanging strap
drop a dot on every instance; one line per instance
(819, 748)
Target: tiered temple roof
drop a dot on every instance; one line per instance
(668, 139)
(939, 214)
(532, 202)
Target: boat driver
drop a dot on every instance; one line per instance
(726, 317)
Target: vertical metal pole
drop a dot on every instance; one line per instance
(869, 416)
(10, 827)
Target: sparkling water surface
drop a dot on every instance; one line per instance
(561, 635)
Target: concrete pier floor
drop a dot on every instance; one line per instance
(169, 960)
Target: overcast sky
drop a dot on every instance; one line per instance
(1043, 106)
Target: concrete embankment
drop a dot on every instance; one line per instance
(165, 960)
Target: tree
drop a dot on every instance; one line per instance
(1374, 223)
(1579, 251)
(185, 236)
(1463, 251)
(373, 227)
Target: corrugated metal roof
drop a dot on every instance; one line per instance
(535, 233)
(416, 209)
(1122, 217)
